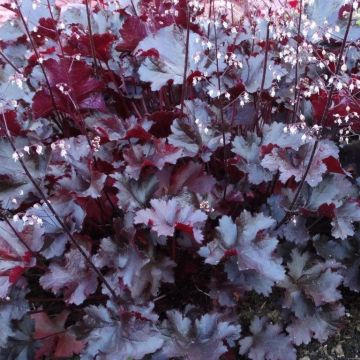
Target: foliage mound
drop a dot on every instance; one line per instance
(163, 162)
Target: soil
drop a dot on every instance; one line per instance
(346, 344)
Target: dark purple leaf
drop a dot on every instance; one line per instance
(267, 342)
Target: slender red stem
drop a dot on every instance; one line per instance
(265, 59)
(296, 100)
(221, 113)
(92, 44)
(10, 63)
(58, 36)
(134, 8)
(183, 93)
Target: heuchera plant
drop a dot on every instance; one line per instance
(163, 162)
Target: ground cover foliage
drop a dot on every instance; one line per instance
(163, 162)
